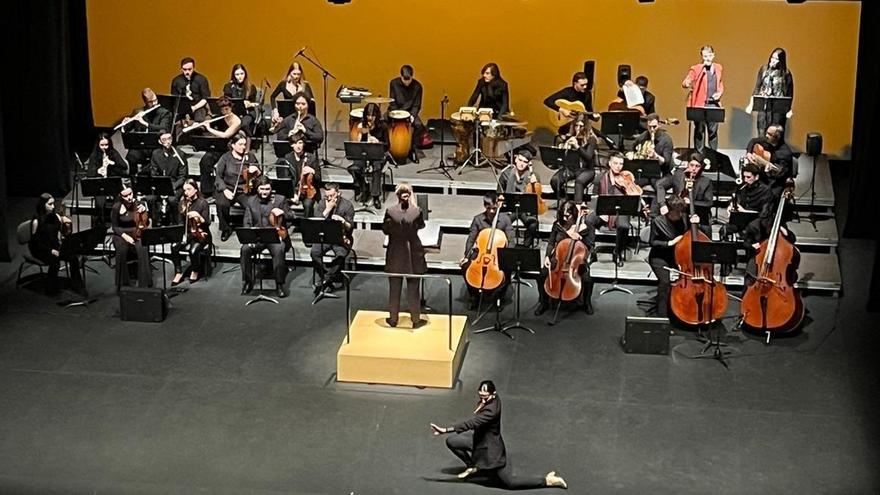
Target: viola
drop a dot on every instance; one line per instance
(564, 280)
(195, 229)
(250, 179)
(484, 273)
(277, 221)
(626, 182)
(535, 188)
(307, 186)
(141, 219)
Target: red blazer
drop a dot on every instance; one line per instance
(700, 84)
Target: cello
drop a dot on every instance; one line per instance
(484, 273)
(771, 304)
(564, 281)
(695, 298)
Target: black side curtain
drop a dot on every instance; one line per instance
(45, 105)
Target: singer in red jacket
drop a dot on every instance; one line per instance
(706, 87)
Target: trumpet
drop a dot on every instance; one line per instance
(137, 116)
(201, 124)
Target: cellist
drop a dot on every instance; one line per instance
(481, 222)
(666, 231)
(569, 224)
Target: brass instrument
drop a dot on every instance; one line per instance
(644, 151)
(201, 124)
(137, 116)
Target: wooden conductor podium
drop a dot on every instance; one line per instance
(374, 352)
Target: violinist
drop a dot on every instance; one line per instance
(750, 197)
(667, 230)
(491, 91)
(614, 183)
(577, 92)
(230, 184)
(193, 89)
(167, 161)
(300, 121)
(128, 217)
(332, 206)
(292, 84)
(257, 212)
(372, 130)
(514, 179)
(240, 87)
(301, 166)
(703, 190)
(232, 125)
(579, 137)
(196, 215)
(569, 224)
(654, 144)
(479, 223)
(775, 161)
(151, 118)
(48, 245)
(705, 88)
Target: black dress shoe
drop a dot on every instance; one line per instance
(225, 235)
(281, 291)
(588, 307)
(420, 323)
(365, 197)
(246, 288)
(414, 156)
(376, 203)
(541, 309)
(390, 322)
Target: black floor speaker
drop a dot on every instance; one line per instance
(137, 304)
(645, 335)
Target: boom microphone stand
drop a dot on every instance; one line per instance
(324, 74)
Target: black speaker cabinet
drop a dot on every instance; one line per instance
(137, 304)
(646, 335)
(590, 72)
(624, 74)
(814, 144)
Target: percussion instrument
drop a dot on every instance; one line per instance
(355, 117)
(400, 135)
(463, 131)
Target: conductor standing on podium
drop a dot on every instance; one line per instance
(405, 253)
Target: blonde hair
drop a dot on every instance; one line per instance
(405, 187)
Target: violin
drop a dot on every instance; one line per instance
(484, 273)
(307, 188)
(535, 188)
(695, 298)
(195, 229)
(564, 280)
(250, 179)
(277, 221)
(141, 219)
(772, 304)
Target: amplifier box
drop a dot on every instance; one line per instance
(646, 335)
(138, 304)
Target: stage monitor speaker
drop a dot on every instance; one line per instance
(814, 144)
(422, 202)
(141, 304)
(590, 72)
(645, 335)
(624, 74)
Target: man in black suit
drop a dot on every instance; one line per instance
(256, 214)
(478, 443)
(703, 190)
(404, 254)
(332, 206)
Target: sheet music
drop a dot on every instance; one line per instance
(633, 95)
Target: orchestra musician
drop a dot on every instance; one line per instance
(332, 206)
(650, 101)
(482, 221)
(407, 94)
(666, 230)
(298, 164)
(257, 211)
(705, 88)
(195, 214)
(654, 144)
(759, 231)
(773, 79)
(405, 254)
(577, 92)
(193, 88)
(703, 190)
(229, 184)
(105, 161)
(491, 91)
(612, 183)
(124, 222)
(240, 87)
(167, 161)
(292, 84)
(232, 125)
(48, 245)
(300, 121)
(151, 118)
(514, 179)
(579, 137)
(777, 169)
(567, 226)
(750, 197)
(372, 129)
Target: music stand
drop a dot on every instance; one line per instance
(617, 206)
(210, 143)
(723, 253)
(722, 165)
(237, 106)
(80, 244)
(741, 219)
(323, 232)
(100, 186)
(282, 147)
(155, 186)
(285, 107)
(257, 235)
(366, 152)
(172, 104)
(622, 123)
(141, 140)
(774, 104)
(160, 236)
(518, 204)
(518, 260)
(442, 126)
(702, 114)
(283, 187)
(643, 168)
(557, 158)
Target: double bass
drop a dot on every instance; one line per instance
(484, 273)
(564, 281)
(772, 304)
(695, 298)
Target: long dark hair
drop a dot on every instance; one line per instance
(493, 68)
(568, 206)
(374, 110)
(245, 84)
(96, 151)
(41, 213)
(184, 204)
(783, 64)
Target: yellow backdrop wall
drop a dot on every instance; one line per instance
(538, 45)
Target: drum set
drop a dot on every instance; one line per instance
(491, 138)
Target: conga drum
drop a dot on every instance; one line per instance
(463, 130)
(400, 135)
(355, 117)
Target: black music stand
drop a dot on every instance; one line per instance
(172, 104)
(322, 231)
(366, 152)
(100, 186)
(282, 147)
(285, 107)
(774, 104)
(81, 244)
(741, 219)
(519, 204)
(257, 235)
(622, 123)
(283, 187)
(643, 168)
(155, 186)
(720, 253)
(442, 126)
(238, 107)
(617, 206)
(210, 143)
(702, 114)
(516, 260)
(141, 140)
(556, 158)
(160, 236)
(720, 163)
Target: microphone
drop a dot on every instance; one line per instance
(300, 52)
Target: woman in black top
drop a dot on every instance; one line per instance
(296, 165)
(47, 245)
(292, 84)
(372, 130)
(666, 231)
(123, 221)
(567, 226)
(105, 161)
(192, 206)
(580, 137)
(773, 79)
(492, 91)
(239, 86)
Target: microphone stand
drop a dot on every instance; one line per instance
(441, 165)
(324, 74)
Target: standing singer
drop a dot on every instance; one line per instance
(705, 88)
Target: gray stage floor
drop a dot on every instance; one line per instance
(226, 399)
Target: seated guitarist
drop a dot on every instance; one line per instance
(577, 92)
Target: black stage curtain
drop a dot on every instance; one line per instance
(45, 105)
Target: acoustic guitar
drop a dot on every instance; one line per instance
(557, 119)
